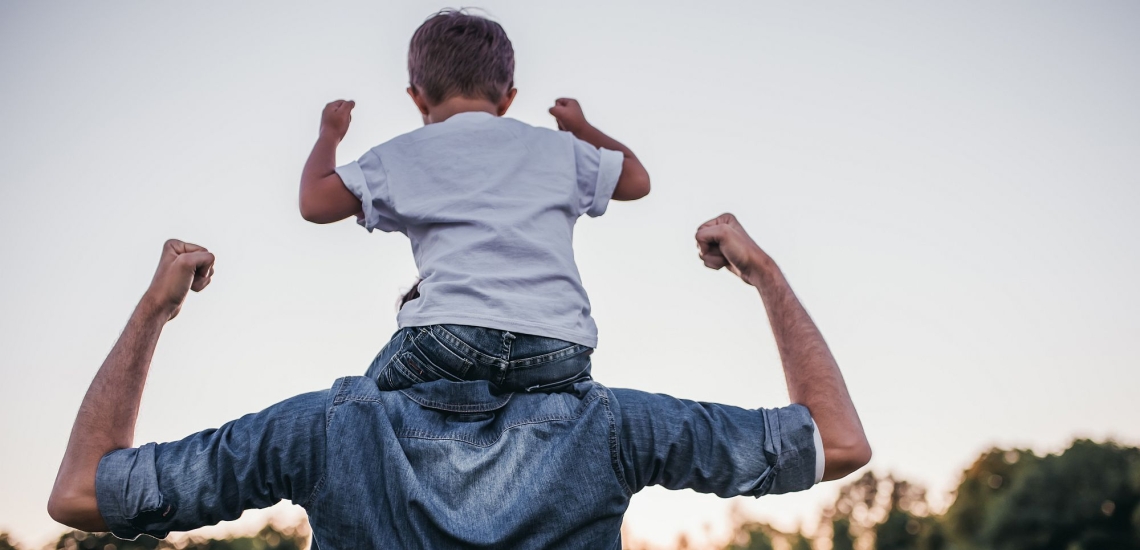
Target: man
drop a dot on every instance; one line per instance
(454, 464)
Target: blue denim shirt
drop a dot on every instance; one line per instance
(456, 464)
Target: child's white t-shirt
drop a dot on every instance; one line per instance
(489, 204)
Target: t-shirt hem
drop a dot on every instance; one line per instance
(513, 325)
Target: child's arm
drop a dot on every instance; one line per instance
(634, 180)
(324, 198)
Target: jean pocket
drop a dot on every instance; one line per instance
(398, 376)
(440, 359)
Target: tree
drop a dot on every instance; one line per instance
(6, 543)
(841, 538)
(984, 485)
(799, 542)
(79, 540)
(269, 538)
(1084, 498)
(752, 536)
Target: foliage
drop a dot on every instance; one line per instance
(1085, 498)
(7, 543)
(984, 485)
(269, 538)
(752, 536)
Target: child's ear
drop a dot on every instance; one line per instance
(505, 102)
(419, 100)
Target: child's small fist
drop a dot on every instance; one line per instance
(569, 115)
(336, 118)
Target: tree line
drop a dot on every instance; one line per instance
(1084, 498)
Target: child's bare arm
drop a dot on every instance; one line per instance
(634, 181)
(324, 198)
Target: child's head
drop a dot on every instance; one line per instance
(456, 54)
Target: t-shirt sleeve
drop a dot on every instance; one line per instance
(712, 448)
(367, 179)
(214, 475)
(598, 173)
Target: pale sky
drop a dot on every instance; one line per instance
(952, 189)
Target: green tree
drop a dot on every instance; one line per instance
(903, 525)
(1081, 499)
(6, 543)
(79, 540)
(983, 487)
(752, 536)
(269, 538)
(1085, 498)
(841, 538)
(898, 532)
(799, 542)
(932, 535)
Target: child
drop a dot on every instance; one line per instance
(489, 204)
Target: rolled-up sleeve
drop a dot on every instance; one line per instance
(598, 173)
(367, 179)
(214, 475)
(712, 448)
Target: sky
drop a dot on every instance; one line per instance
(952, 189)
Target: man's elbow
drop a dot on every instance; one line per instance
(76, 511)
(841, 462)
(61, 509)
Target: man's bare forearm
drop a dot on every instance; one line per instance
(106, 418)
(812, 375)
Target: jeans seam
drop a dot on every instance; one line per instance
(434, 368)
(615, 451)
(476, 355)
(538, 361)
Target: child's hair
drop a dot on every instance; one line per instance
(455, 53)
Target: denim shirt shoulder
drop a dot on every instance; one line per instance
(713, 448)
(447, 464)
(456, 464)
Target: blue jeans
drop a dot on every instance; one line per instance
(512, 362)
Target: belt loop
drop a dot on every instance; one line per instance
(508, 338)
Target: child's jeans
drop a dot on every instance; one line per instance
(513, 362)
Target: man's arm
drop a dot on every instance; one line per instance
(324, 198)
(106, 419)
(633, 183)
(811, 372)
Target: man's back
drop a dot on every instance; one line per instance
(452, 464)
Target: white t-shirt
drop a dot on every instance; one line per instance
(489, 204)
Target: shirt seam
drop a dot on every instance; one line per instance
(483, 443)
(615, 451)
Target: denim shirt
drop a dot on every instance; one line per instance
(456, 464)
